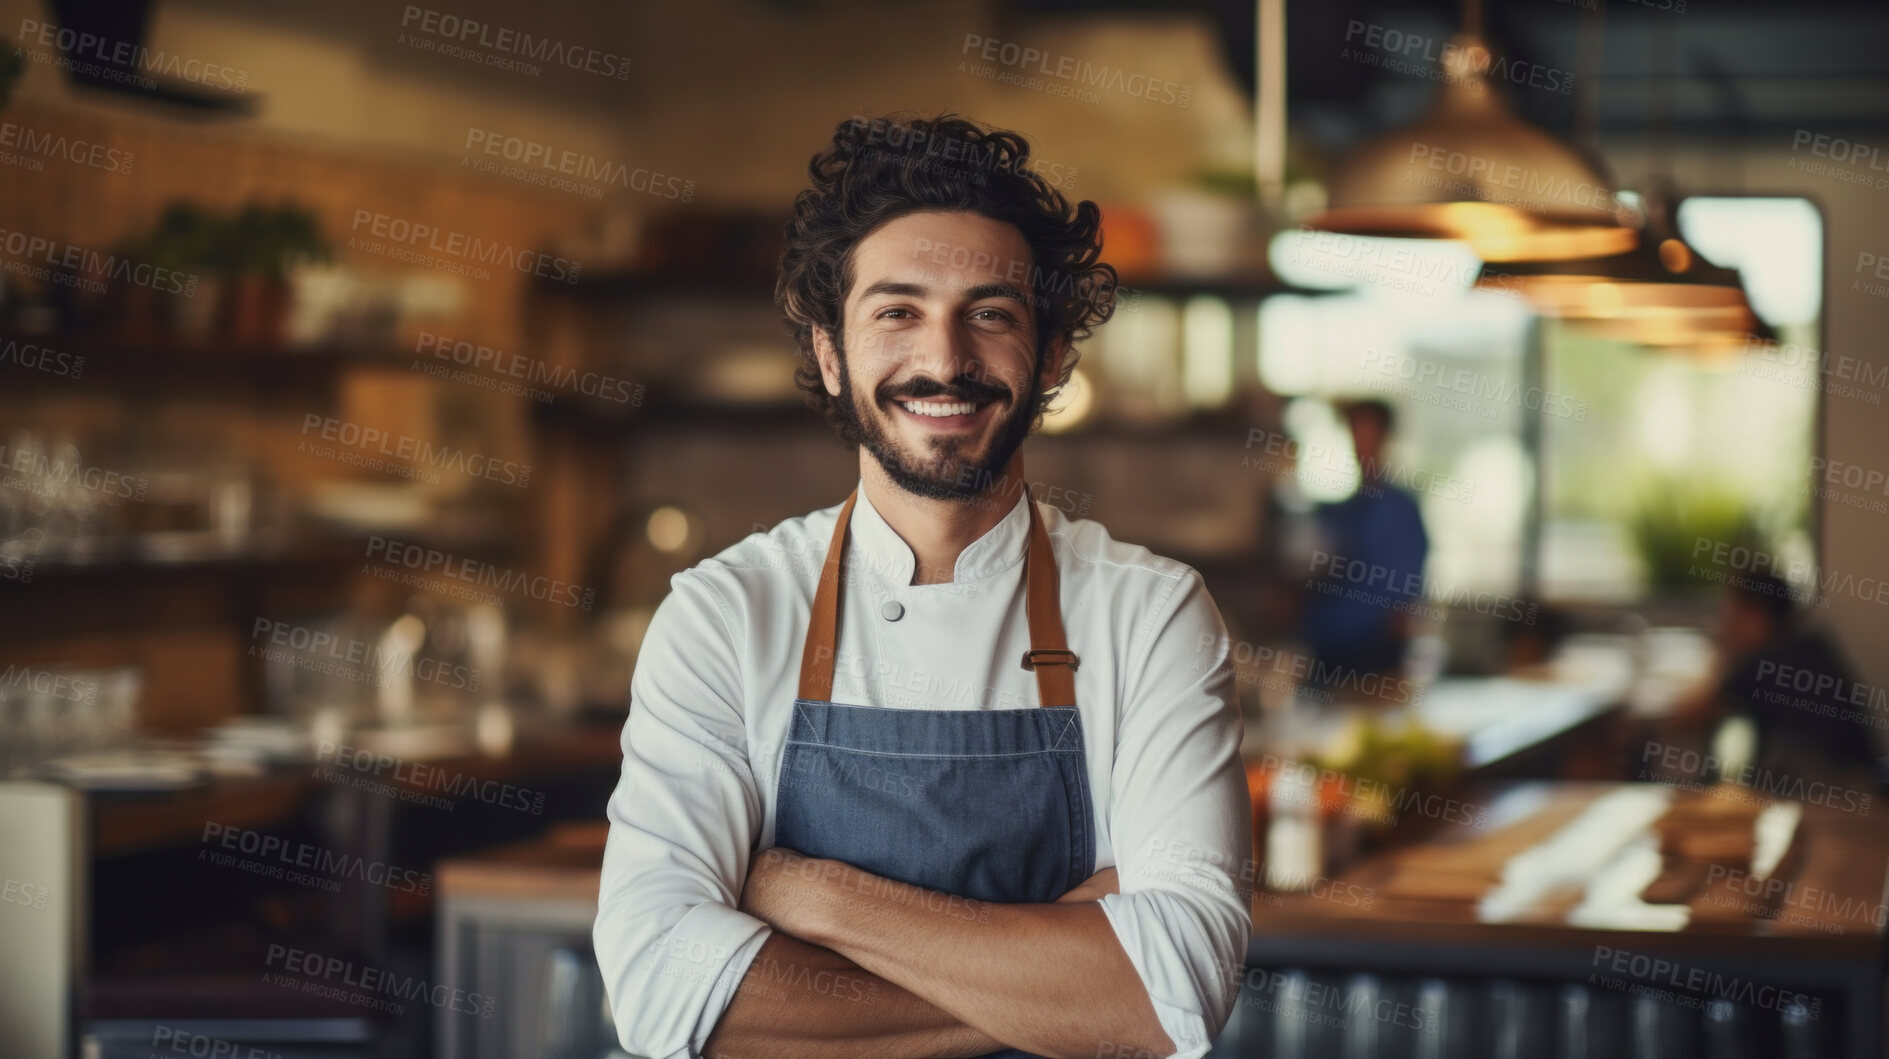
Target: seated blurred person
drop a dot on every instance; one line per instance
(1367, 574)
(1790, 683)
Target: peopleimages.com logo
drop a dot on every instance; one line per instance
(276, 857)
(35, 357)
(369, 986)
(169, 1040)
(425, 565)
(1068, 75)
(502, 47)
(424, 777)
(1431, 57)
(324, 653)
(70, 265)
(488, 363)
(372, 447)
(49, 684)
(975, 160)
(547, 166)
(400, 239)
(24, 894)
(92, 54)
(27, 148)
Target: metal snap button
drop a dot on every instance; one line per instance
(892, 610)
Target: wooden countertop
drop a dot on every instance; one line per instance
(565, 865)
(1501, 717)
(1825, 901)
(133, 822)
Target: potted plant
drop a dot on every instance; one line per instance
(256, 251)
(182, 242)
(1671, 521)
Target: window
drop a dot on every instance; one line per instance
(1674, 448)
(1643, 453)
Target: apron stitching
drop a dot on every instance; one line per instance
(902, 753)
(1064, 734)
(1085, 856)
(1076, 874)
(907, 709)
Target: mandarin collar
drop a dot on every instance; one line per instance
(886, 554)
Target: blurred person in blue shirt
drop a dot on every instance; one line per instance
(1367, 575)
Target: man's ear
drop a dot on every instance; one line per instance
(829, 357)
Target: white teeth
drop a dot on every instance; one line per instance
(939, 408)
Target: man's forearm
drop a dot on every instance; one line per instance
(1047, 978)
(800, 1000)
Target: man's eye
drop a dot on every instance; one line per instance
(991, 315)
(894, 314)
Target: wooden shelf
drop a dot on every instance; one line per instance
(337, 548)
(625, 283)
(126, 364)
(132, 822)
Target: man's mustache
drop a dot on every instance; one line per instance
(962, 388)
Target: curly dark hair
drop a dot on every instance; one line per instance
(879, 169)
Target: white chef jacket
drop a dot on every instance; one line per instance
(712, 698)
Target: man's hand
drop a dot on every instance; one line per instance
(1093, 888)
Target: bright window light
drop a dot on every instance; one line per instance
(1776, 244)
(1207, 351)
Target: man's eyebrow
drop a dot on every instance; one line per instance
(998, 290)
(886, 286)
(919, 290)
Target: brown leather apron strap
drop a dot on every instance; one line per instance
(1049, 655)
(823, 626)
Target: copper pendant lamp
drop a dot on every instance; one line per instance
(1471, 170)
(1662, 294)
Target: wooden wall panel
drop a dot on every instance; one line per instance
(193, 659)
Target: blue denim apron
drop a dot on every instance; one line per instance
(985, 804)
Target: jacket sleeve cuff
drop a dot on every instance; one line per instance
(697, 967)
(722, 993)
(1170, 976)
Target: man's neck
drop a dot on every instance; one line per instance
(938, 531)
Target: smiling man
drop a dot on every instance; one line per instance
(935, 771)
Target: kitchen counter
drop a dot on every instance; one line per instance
(1630, 888)
(131, 822)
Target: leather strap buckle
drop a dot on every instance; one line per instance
(1033, 658)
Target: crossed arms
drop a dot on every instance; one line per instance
(707, 946)
(913, 972)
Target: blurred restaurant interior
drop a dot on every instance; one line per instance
(365, 375)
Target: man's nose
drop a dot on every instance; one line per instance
(943, 350)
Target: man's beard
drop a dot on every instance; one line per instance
(944, 473)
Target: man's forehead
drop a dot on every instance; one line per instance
(952, 252)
